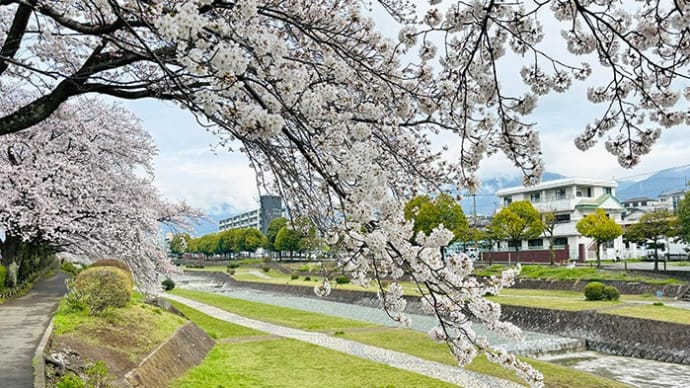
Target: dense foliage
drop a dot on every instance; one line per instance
(600, 228)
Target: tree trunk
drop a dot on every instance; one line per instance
(517, 251)
(656, 256)
(598, 255)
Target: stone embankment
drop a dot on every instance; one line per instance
(607, 333)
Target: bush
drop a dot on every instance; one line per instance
(658, 304)
(3, 272)
(168, 284)
(342, 279)
(231, 271)
(117, 264)
(198, 266)
(233, 265)
(294, 276)
(101, 287)
(266, 268)
(595, 291)
(611, 293)
(69, 268)
(70, 381)
(307, 278)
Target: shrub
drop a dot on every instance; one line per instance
(611, 293)
(70, 381)
(658, 303)
(70, 268)
(101, 287)
(168, 284)
(3, 272)
(595, 291)
(307, 278)
(117, 264)
(294, 276)
(342, 279)
(231, 271)
(266, 268)
(233, 265)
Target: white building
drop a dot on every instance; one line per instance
(570, 199)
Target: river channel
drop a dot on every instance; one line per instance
(561, 350)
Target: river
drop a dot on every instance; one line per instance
(561, 350)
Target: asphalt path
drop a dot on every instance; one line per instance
(22, 324)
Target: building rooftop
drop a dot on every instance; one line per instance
(557, 183)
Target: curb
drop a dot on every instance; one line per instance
(39, 362)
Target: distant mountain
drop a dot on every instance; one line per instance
(674, 179)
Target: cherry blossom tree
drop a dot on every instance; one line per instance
(80, 181)
(340, 119)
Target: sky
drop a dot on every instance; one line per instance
(221, 183)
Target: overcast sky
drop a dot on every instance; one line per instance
(221, 183)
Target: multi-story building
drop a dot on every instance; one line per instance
(270, 208)
(570, 199)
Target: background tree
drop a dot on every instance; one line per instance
(517, 222)
(252, 239)
(287, 240)
(272, 230)
(600, 227)
(548, 219)
(658, 224)
(683, 215)
(443, 210)
(227, 240)
(179, 243)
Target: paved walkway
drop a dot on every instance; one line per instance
(22, 324)
(399, 360)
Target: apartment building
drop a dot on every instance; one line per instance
(270, 208)
(570, 199)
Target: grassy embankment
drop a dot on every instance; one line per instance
(132, 331)
(403, 340)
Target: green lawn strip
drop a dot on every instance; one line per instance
(578, 273)
(209, 268)
(293, 364)
(144, 326)
(216, 328)
(420, 345)
(553, 303)
(656, 313)
(283, 316)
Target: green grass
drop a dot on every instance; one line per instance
(657, 313)
(578, 273)
(141, 326)
(284, 316)
(216, 328)
(420, 345)
(569, 304)
(293, 364)
(212, 268)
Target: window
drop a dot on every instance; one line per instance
(512, 243)
(559, 193)
(537, 243)
(534, 197)
(608, 190)
(582, 191)
(507, 201)
(560, 241)
(562, 218)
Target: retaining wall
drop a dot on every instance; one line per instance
(634, 288)
(185, 349)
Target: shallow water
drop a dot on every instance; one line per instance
(561, 350)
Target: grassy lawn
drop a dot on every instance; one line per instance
(212, 268)
(294, 364)
(216, 328)
(420, 345)
(143, 326)
(284, 316)
(577, 273)
(547, 302)
(657, 313)
(216, 367)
